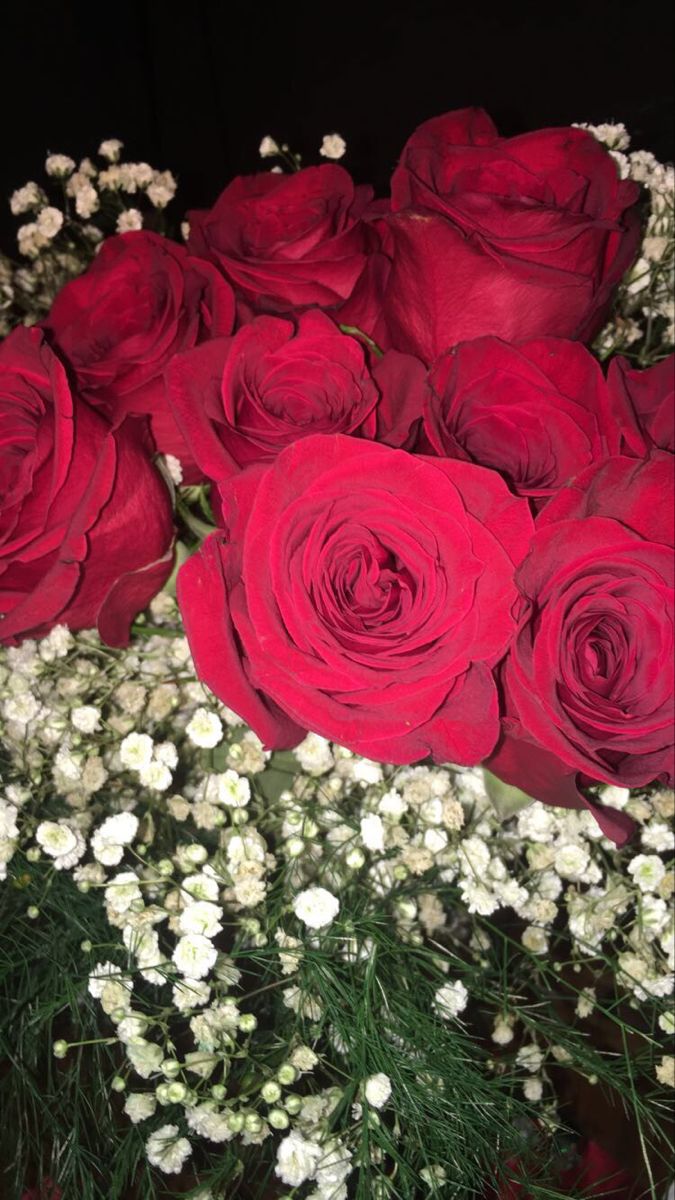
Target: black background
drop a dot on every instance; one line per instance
(194, 86)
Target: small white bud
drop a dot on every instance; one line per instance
(333, 146)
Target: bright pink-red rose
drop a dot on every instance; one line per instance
(286, 242)
(589, 678)
(142, 300)
(537, 412)
(85, 519)
(363, 593)
(518, 237)
(644, 404)
(241, 400)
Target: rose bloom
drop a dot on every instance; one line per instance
(517, 237)
(288, 241)
(142, 300)
(45, 1190)
(363, 593)
(594, 1173)
(86, 527)
(241, 400)
(644, 404)
(538, 412)
(589, 679)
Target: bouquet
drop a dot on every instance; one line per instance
(336, 595)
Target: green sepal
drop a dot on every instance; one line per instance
(506, 799)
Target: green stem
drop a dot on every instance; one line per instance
(354, 331)
(201, 529)
(638, 1122)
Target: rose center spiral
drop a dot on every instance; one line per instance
(367, 587)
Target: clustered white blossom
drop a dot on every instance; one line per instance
(66, 220)
(101, 757)
(646, 296)
(451, 999)
(88, 185)
(7, 293)
(333, 146)
(316, 907)
(268, 147)
(377, 1089)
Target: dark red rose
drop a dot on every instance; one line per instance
(286, 242)
(589, 678)
(241, 400)
(45, 1190)
(401, 382)
(644, 404)
(142, 300)
(85, 519)
(537, 412)
(518, 237)
(595, 1174)
(599, 1175)
(363, 593)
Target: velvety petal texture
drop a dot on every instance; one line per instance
(364, 593)
(86, 527)
(644, 404)
(242, 400)
(142, 300)
(516, 237)
(537, 411)
(287, 242)
(589, 679)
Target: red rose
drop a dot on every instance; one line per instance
(45, 1190)
(288, 241)
(363, 593)
(595, 1174)
(517, 237)
(589, 679)
(142, 300)
(537, 412)
(240, 400)
(85, 519)
(599, 1175)
(644, 404)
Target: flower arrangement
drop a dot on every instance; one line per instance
(336, 665)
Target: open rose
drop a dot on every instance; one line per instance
(589, 679)
(644, 404)
(537, 412)
(85, 519)
(288, 241)
(142, 300)
(241, 400)
(517, 237)
(363, 593)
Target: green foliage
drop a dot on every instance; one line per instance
(58, 1117)
(450, 1106)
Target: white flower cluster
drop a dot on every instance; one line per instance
(67, 219)
(333, 147)
(85, 185)
(198, 879)
(646, 295)
(6, 294)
